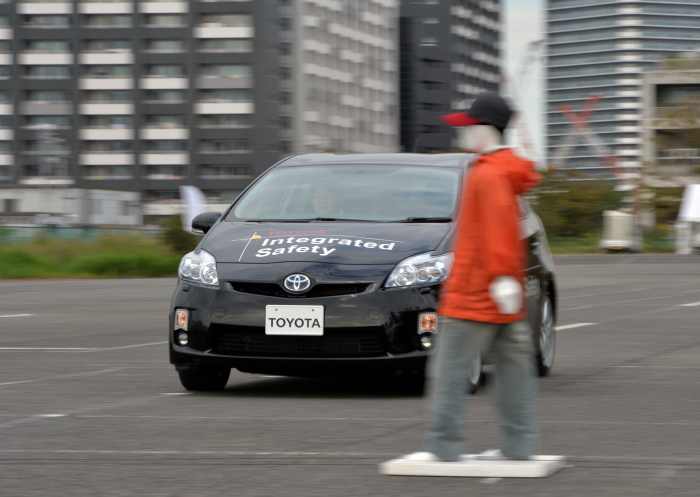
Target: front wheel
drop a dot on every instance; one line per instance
(204, 379)
(546, 338)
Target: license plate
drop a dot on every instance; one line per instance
(294, 320)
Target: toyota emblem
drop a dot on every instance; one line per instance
(297, 283)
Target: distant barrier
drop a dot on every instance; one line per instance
(27, 233)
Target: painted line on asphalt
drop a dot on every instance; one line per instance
(81, 349)
(574, 326)
(691, 304)
(134, 346)
(9, 316)
(49, 349)
(61, 376)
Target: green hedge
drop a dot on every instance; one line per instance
(113, 256)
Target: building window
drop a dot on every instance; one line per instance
(47, 72)
(5, 72)
(106, 146)
(226, 71)
(225, 121)
(165, 20)
(46, 21)
(46, 146)
(107, 71)
(165, 172)
(165, 46)
(107, 21)
(164, 96)
(159, 121)
(107, 45)
(225, 45)
(53, 167)
(47, 46)
(224, 146)
(226, 96)
(159, 146)
(225, 21)
(47, 122)
(106, 172)
(218, 171)
(119, 122)
(107, 96)
(4, 46)
(5, 147)
(165, 71)
(52, 96)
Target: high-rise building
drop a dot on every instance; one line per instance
(450, 52)
(151, 94)
(341, 66)
(597, 53)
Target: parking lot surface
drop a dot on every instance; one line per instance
(89, 405)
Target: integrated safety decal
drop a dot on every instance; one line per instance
(264, 247)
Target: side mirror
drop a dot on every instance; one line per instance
(205, 221)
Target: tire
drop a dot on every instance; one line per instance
(476, 376)
(546, 337)
(201, 379)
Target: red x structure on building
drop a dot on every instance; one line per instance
(581, 129)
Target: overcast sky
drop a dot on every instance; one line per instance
(524, 24)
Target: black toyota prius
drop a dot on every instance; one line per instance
(330, 265)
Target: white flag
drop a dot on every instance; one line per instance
(193, 203)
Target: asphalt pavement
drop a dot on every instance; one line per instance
(89, 405)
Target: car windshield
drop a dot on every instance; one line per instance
(371, 193)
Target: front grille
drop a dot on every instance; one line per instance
(336, 342)
(320, 290)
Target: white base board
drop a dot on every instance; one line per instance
(537, 467)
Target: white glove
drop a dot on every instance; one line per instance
(507, 293)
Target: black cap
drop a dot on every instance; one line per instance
(487, 108)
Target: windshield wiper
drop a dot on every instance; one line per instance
(426, 220)
(309, 220)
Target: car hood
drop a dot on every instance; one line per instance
(334, 243)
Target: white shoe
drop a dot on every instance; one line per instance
(421, 457)
(489, 455)
(492, 455)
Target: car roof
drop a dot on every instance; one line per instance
(436, 160)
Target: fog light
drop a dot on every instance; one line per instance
(183, 338)
(426, 341)
(427, 322)
(182, 319)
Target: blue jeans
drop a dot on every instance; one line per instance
(458, 344)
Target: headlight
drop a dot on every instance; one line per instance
(199, 267)
(424, 269)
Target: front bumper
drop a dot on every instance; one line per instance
(375, 329)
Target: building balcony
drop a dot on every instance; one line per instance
(165, 158)
(6, 159)
(6, 109)
(112, 109)
(107, 134)
(6, 34)
(224, 108)
(104, 8)
(107, 159)
(45, 8)
(39, 108)
(5, 59)
(165, 134)
(220, 31)
(6, 134)
(118, 57)
(164, 83)
(163, 7)
(45, 58)
(106, 83)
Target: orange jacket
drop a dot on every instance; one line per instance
(487, 242)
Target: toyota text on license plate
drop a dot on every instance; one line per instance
(294, 320)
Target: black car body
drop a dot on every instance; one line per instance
(262, 267)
